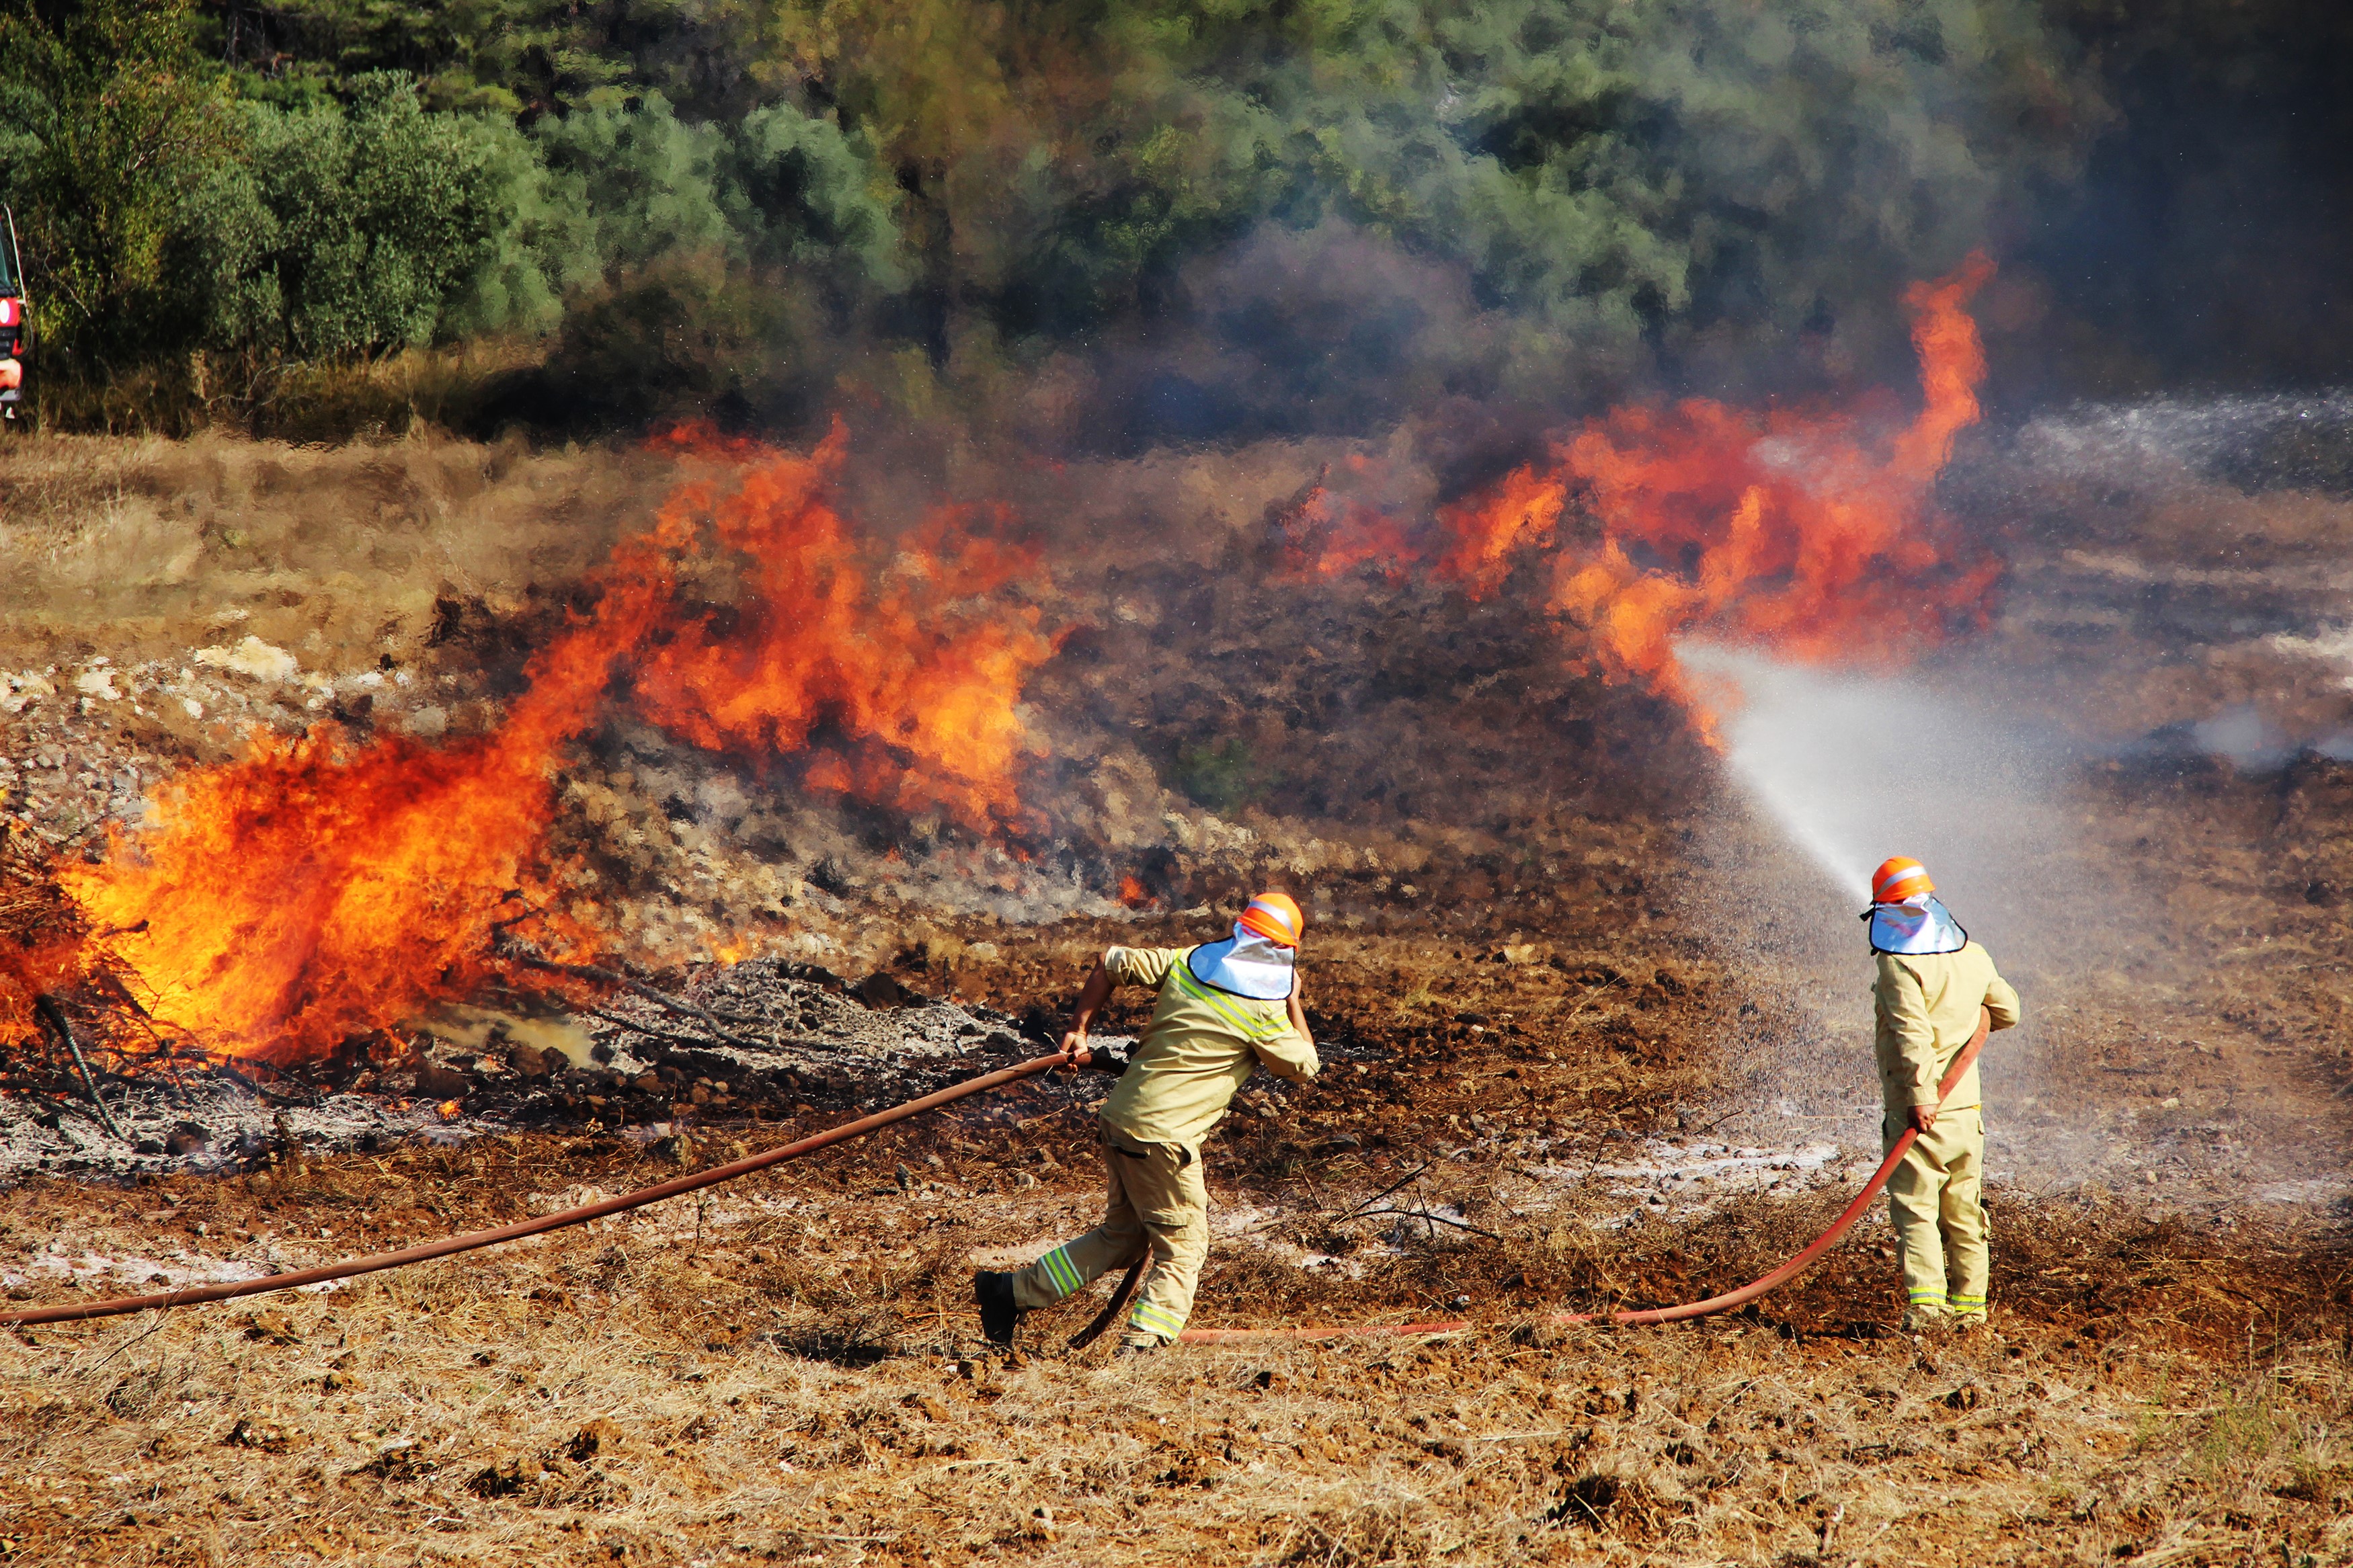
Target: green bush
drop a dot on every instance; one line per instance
(777, 187)
(803, 194)
(1616, 178)
(729, 262)
(642, 181)
(354, 230)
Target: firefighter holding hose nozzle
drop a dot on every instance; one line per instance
(1932, 982)
(1225, 1008)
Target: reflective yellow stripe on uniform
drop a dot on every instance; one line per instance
(1248, 1029)
(1152, 1320)
(1061, 1270)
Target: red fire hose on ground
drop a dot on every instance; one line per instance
(450, 1245)
(1724, 1303)
(473, 1240)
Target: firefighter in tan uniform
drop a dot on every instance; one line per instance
(1225, 1009)
(1932, 981)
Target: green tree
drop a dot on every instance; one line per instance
(504, 57)
(351, 230)
(526, 57)
(108, 118)
(723, 267)
(1357, 204)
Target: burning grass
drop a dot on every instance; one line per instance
(332, 885)
(335, 885)
(804, 721)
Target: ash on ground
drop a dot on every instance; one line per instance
(759, 1043)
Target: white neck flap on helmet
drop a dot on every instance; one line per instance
(1920, 925)
(1247, 964)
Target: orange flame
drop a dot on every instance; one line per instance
(910, 662)
(1132, 893)
(1523, 510)
(319, 888)
(1804, 530)
(27, 973)
(44, 947)
(1322, 536)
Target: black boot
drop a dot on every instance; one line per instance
(998, 1314)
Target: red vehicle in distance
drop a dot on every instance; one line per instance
(13, 330)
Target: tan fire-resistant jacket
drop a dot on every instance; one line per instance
(1927, 1005)
(1201, 1046)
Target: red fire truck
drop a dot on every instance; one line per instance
(12, 329)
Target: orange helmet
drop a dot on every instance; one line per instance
(1274, 917)
(1898, 877)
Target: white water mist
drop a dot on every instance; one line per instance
(1851, 769)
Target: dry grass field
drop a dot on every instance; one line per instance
(792, 1374)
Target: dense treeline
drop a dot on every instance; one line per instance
(1191, 216)
(181, 207)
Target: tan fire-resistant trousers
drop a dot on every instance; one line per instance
(1157, 1199)
(1934, 1201)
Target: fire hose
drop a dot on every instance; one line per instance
(717, 1174)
